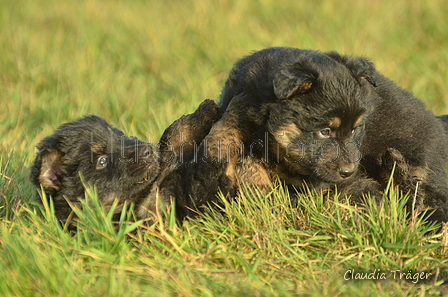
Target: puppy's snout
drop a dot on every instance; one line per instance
(346, 170)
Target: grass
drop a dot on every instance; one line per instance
(141, 65)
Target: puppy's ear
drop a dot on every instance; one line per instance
(46, 170)
(287, 84)
(360, 68)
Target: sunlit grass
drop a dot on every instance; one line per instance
(257, 244)
(141, 65)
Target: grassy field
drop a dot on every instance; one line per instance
(141, 65)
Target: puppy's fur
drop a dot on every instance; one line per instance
(197, 180)
(121, 168)
(444, 119)
(330, 120)
(307, 117)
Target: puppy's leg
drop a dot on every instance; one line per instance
(425, 187)
(178, 149)
(215, 166)
(407, 178)
(182, 137)
(227, 143)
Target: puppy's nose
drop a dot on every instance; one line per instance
(347, 170)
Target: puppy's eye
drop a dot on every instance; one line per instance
(325, 133)
(101, 163)
(360, 127)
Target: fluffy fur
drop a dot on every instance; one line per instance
(91, 150)
(306, 117)
(121, 168)
(330, 120)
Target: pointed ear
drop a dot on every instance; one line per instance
(360, 68)
(287, 84)
(46, 170)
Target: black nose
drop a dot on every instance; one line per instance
(347, 170)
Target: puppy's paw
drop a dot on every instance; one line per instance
(407, 178)
(361, 189)
(207, 110)
(392, 157)
(189, 130)
(404, 173)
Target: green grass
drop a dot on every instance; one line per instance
(141, 65)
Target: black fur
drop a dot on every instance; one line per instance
(307, 117)
(444, 119)
(196, 180)
(121, 168)
(331, 120)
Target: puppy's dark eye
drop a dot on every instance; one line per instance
(101, 163)
(357, 128)
(325, 133)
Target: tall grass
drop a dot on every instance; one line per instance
(142, 64)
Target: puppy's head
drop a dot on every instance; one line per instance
(119, 167)
(322, 102)
(313, 105)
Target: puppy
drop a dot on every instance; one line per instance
(219, 163)
(330, 120)
(89, 151)
(196, 180)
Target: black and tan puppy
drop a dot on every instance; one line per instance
(222, 162)
(121, 168)
(330, 120)
(197, 179)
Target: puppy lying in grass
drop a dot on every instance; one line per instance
(120, 167)
(91, 152)
(305, 117)
(320, 119)
(219, 164)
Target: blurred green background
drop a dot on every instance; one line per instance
(141, 65)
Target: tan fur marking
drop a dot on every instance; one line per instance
(225, 134)
(306, 85)
(224, 143)
(97, 149)
(335, 122)
(254, 173)
(359, 121)
(51, 165)
(287, 133)
(230, 172)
